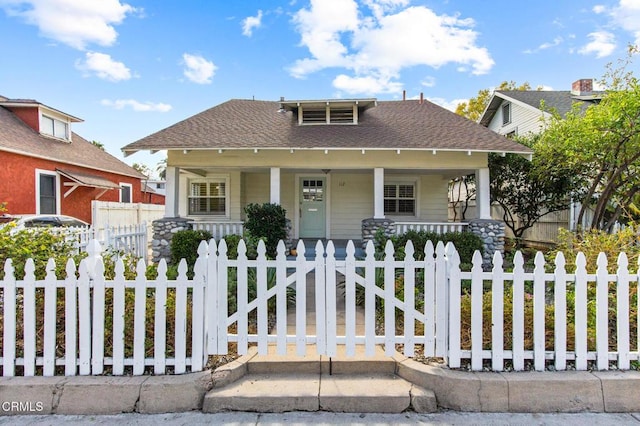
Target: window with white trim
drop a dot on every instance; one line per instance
(400, 199)
(125, 192)
(208, 197)
(506, 113)
(53, 127)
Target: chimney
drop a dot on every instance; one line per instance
(582, 87)
(404, 95)
(421, 98)
(281, 98)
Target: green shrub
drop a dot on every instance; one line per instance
(250, 241)
(267, 221)
(184, 245)
(592, 242)
(40, 244)
(465, 242)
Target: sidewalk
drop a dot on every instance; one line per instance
(325, 418)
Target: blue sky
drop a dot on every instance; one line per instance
(132, 67)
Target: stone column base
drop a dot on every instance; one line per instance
(370, 227)
(492, 234)
(163, 231)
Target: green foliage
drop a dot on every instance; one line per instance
(592, 243)
(184, 245)
(267, 221)
(250, 241)
(40, 244)
(600, 147)
(526, 190)
(466, 243)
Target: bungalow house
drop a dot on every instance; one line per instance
(48, 169)
(341, 168)
(521, 112)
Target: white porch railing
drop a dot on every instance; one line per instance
(220, 230)
(438, 227)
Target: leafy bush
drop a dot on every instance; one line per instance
(184, 245)
(250, 241)
(465, 242)
(40, 244)
(592, 242)
(267, 221)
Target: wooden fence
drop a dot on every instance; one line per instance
(464, 317)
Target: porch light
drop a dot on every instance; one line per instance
(291, 151)
(398, 151)
(469, 152)
(326, 151)
(219, 151)
(363, 151)
(434, 152)
(255, 150)
(185, 151)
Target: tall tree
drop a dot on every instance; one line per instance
(601, 148)
(142, 168)
(525, 190)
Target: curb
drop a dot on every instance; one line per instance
(517, 392)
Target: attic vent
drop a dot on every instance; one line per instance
(328, 115)
(314, 116)
(341, 115)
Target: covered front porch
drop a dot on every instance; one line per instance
(320, 203)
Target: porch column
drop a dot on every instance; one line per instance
(172, 195)
(275, 185)
(483, 198)
(378, 193)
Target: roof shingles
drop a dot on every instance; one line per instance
(238, 124)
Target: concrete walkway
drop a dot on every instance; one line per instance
(323, 418)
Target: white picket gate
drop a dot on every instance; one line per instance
(204, 325)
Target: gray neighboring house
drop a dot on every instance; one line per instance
(520, 112)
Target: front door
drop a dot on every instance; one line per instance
(313, 194)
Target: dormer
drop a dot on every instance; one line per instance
(327, 112)
(45, 120)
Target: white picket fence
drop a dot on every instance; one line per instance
(131, 239)
(201, 311)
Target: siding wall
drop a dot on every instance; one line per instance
(351, 201)
(524, 120)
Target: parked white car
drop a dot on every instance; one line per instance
(47, 220)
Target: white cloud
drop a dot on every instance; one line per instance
(547, 45)
(428, 81)
(251, 22)
(450, 105)
(391, 37)
(103, 66)
(627, 16)
(136, 105)
(602, 44)
(366, 84)
(598, 9)
(76, 23)
(198, 69)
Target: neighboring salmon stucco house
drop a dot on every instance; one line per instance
(340, 168)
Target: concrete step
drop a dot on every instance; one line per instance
(361, 393)
(291, 363)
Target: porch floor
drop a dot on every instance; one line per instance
(340, 246)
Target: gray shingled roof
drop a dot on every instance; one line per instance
(19, 138)
(237, 124)
(560, 101)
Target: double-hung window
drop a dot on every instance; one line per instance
(400, 199)
(208, 197)
(506, 114)
(53, 127)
